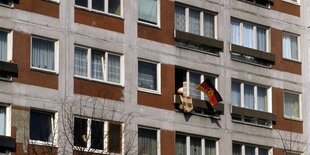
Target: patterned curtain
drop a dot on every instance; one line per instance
(194, 22)
(114, 70)
(147, 142)
(97, 62)
(43, 54)
(80, 61)
(208, 25)
(179, 18)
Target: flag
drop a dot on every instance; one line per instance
(208, 89)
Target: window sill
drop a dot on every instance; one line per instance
(254, 114)
(44, 70)
(149, 24)
(98, 12)
(42, 143)
(98, 81)
(291, 2)
(252, 124)
(150, 91)
(292, 60)
(293, 118)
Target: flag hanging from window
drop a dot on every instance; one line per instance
(208, 89)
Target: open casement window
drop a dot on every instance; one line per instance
(149, 12)
(188, 145)
(149, 76)
(42, 127)
(3, 121)
(99, 135)
(113, 7)
(290, 46)
(148, 141)
(97, 65)
(292, 105)
(246, 149)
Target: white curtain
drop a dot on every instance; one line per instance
(147, 75)
(2, 120)
(291, 105)
(43, 54)
(147, 142)
(80, 61)
(210, 148)
(261, 99)
(98, 5)
(3, 46)
(261, 39)
(115, 7)
(194, 81)
(179, 18)
(114, 68)
(247, 35)
(235, 94)
(195, 147)
(180, 142)
(248, 96)
(290, 46)
(250, 150)
(148, 10)
(235, 32)
(208, 25)
(237, 149)
(194, 22)
(97, 61)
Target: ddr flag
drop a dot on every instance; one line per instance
(208, 89)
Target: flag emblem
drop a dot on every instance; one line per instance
(209, 90)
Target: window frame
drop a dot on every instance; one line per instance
(254, 33)
(158, 137)
(54, 125)
(299, 105)
(56, 54)
(158, 78)
(9, 44)
(257, 147)
(298, 46)
(158, 23)
(292, 2)
(8, 119)
(105, 66)
(106, 8)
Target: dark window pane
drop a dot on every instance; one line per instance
(147, 142)
(237, 149)
(81, 3)
(7, 2)
(115, 139)
(180, 142)
(97, 135)
(147, 75)
(40, 126)
(98, 5)
(115, 7)
(80, 132)
(195, 147)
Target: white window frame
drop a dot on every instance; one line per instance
(158, 23)
(56, 54)
(9, 44)
(300, 105)
(292, 2)
(106, 8)
(8, 119)
(270, 151)
(298, 46)
(105, 136)
(254, 33)
(158, 137)
(158, 71)
(105, 66)
(54, 125)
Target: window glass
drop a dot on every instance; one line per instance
(291, 105)
(80, 61)
(249, 150)
(115, 138)
(180, 143)
(210, 147)
(43, 54)
(98, 5)
(83, 3)
(148, 11)
(235, 94)
(179, 18)
(194, 22)
(290, 46)
(147, 142)
(80, 132)
(262, 99)
(235, 32)
(147, 75)
(41, 127)
(208, 25)
(114, 68)
(248, 96)
(261, 39)
(263, 151)
(194, 81)
(3, 46)
(237, 149)
(97, 59)
(2, 120)
(195, 146)
(97, 134)
(115, 7)
(247, 35)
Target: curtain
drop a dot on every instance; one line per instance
(180, 148)
(235, 32)
(147, 142)
(208, 25)
(294, 47)
(261, 39)
(147, 75)
(114, 68)
(195, 147)
(97, 62)
(290, 46)
(194, 81)
(286, 46)
(263, 151)
(291, 105)
(115, 7)
(2, 120)
(237, 149)
(250, 150)
(194, 22)
(98, 5)
(247, 35)
(210, 147)
(248, 96)
(148, 10)
(235, 94)
(43, 54)
(179, 18)
(3, 46)
(80, 61)
(262, 99)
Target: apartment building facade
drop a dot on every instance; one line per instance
(72, 69)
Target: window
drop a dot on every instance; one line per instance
(241, 149)
(97, 65)
(250, 96)
(113, 7)
(3, 120)
(148, 141)
(108, 135)
(42, 126)
(149, 75)
(44, 54)
(5, 45)
(194, 21)
(292, 105)
(249, 35)
(194, 80)
(290, 46)
(196, 145)
(149, 11)
(6, 2)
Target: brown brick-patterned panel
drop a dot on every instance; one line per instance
(39, 6)
(285, 7)
(99, 20)
(167, 139)
(21, 56)
(35, 150)
(281, 63)
(278, 151)
(98, 89)
(164, 34)
(165, 99)
(278, 108)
